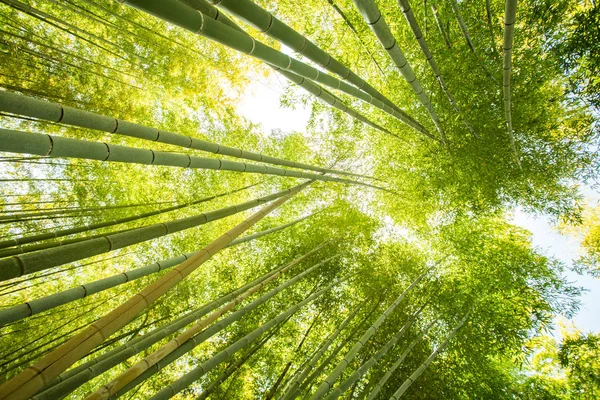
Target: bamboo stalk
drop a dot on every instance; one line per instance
(414, 26)
(86, 228)
(265, 22)
(356, 375)
(311, 364)
(510, 16)
(372, 16)
(73, 378)
(35, 377)
(379, 385)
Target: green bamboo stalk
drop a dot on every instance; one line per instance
(86, 228)
(440, 25)
(34, 378)
(217, 327)
(15, 266)
(260, 234)
(68, 381)
(268, 24)
(510, 16)
(414, 25)
(311, 364)
(211, 11)
(356, 375)
(56, 146)
(379, 385)
(350, 26)
(186, 17)
(488, 11)
(331, 99)
(48, 111)
(339, 369)
(432, 357)
(147, 362)
(208, 365)
(371, 14)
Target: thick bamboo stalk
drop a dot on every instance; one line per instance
(56, 146)
(311, 364)
(414, 26)
(35, 377)
(260, 234)
(37, 261)
(339, 369)
(147, 362)
(429, 360)
(86, 228)
(371, 14)
(379, 385)
(28, 106)
(208, 365)
(356, 375)
(510, 16)
(265, 22)
(75, 377)
(211, 11)
(186, 17)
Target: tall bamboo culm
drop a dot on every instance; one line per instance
(136, 370)
(75, 377)
(35, 377)
(18, 241)
(371, 14)
(356, 375)
(212, 12)
(265, 22)
(56, 146)
(48, 111)
(225, 354)
(303, 372)
(379, 385)
(510, 16)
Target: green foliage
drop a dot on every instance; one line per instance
(445, 211)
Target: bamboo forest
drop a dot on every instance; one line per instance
(319, 199)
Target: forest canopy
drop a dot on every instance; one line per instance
(157, 243)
